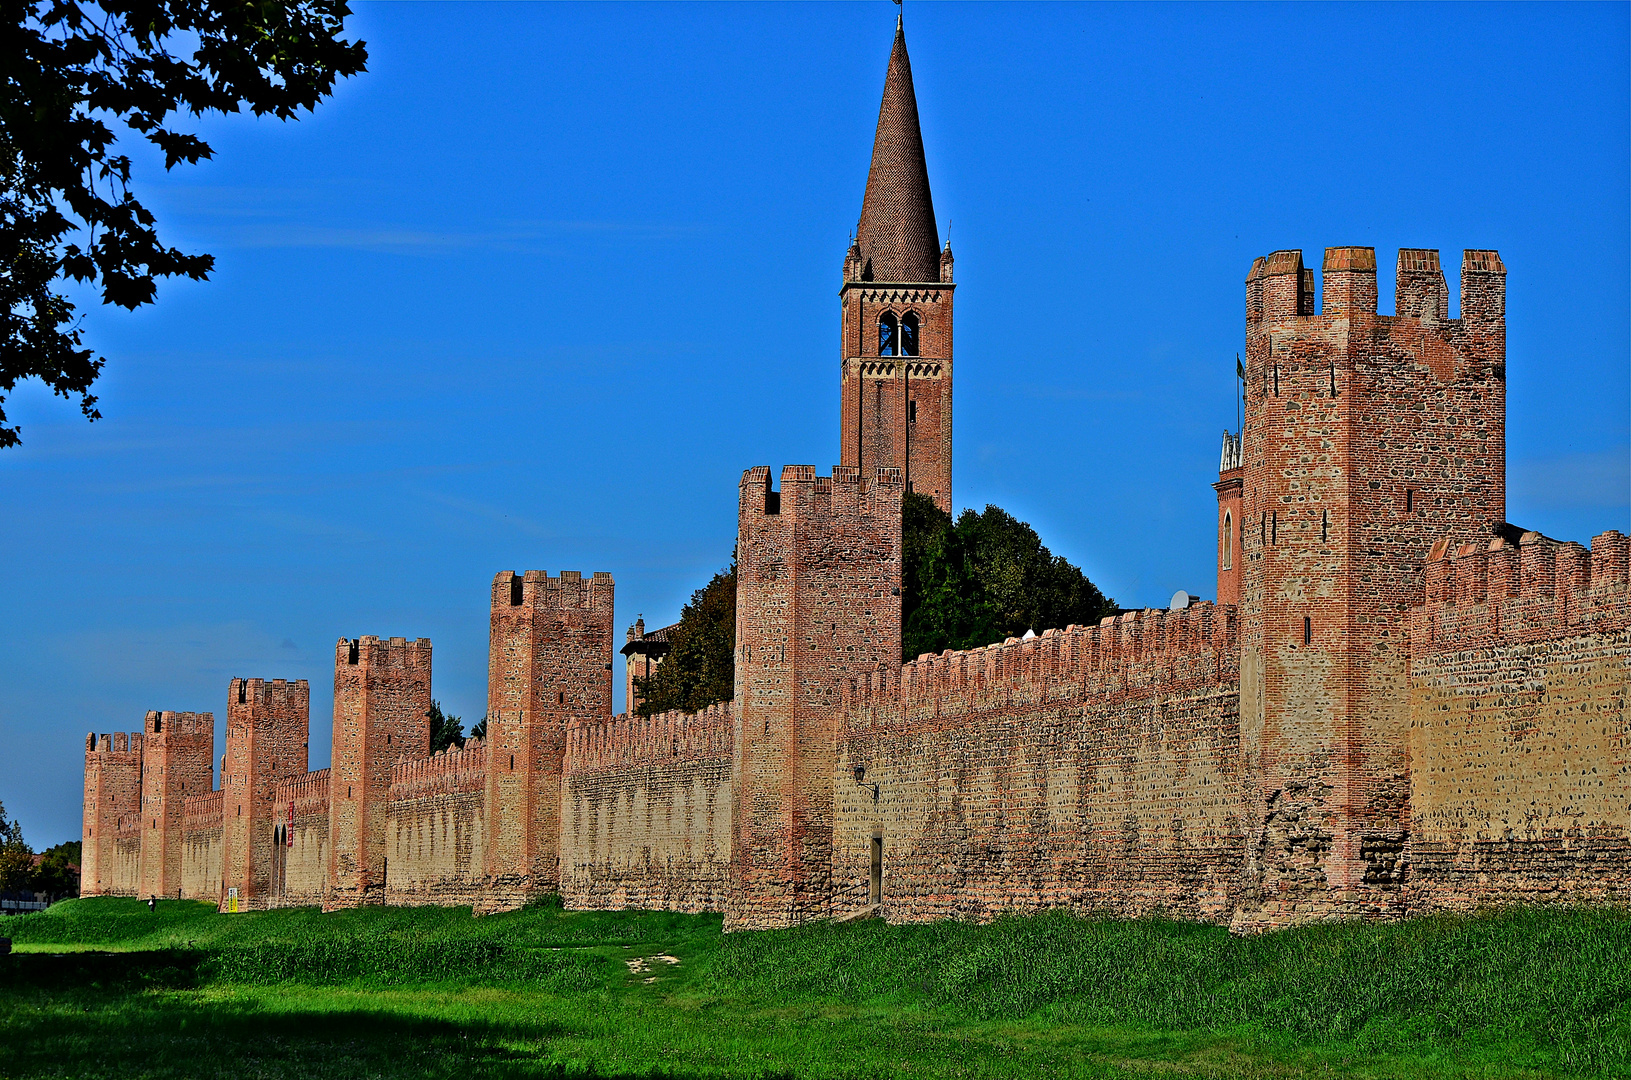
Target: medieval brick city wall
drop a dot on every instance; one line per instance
(202, 850)
(549, 665)
(268, 722)
(646, 811)
(178, 752)
(381, 717)
(1367, 438)
(1095, 768)
(113, 791)
(817, 603)
(301, 805)
(125, 864)
(435, 827)
(1520, 664)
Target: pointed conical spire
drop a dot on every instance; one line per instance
(898, 238)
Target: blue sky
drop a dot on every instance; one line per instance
(533, 291)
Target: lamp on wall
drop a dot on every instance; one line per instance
(860, 777)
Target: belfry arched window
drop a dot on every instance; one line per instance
(1228, 542)
(888, 334)
(908, 334)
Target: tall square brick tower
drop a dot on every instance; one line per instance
(381, 717)
(267, 726)
(113, 788)
(897, 309)
(817, 603)
(1366, 439)
(549, 663)
(178, 760)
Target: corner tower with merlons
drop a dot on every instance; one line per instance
(897, 308)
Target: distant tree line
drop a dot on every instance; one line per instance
(980, 579)
(50, 875)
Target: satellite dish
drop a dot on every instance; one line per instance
(1180, 600)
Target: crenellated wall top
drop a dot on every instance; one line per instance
(663, 739)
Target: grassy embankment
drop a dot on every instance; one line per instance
(103, 988)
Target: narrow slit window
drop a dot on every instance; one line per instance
(911, 412)
(1409, 500)
(908, 334)
(1274, 528)
(1228, 542)
(875, 889)
(1263, 530)
(1308, 630)
(1325, 525)
(1333, 379)
(1276, 380)
(888, 334)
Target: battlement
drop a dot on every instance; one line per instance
(1539, 588)
(630, 741)
(309, 793)
(1279, 287)
(456, 769)
(203, 811)
(117, 743)
(803, 492)
(271, 694)
(167, 725)
(396, 653)
(537, 589)
(1134, 649)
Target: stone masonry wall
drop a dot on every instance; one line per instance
(646, 812)
(435, 824)
(201, 847)
(1096, 768)
(113, 790)
(1520, 667)
(301, 804)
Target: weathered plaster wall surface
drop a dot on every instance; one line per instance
(1095, 768)
(201, 847)
(302, 805)
(1520, 664)
(646, 811)
(435, 825)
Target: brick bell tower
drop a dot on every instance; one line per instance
(897, 301)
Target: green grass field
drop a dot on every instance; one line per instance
(105, 988)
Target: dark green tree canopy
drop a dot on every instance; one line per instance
(445, 731)
(71, 68)
(982, 579)
(700, 668)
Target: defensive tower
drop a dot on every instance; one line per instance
(178, 752)
(549, 663)
(1367, 438)
(267, 725)
(113, 789)
(896, 342)
(817, 603)
(381, 717)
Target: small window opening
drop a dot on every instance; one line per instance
(1263, 529)
(1325, 525)
(240, 810)
(888, 333)
(356, 648)
(387, 740)
(1228, 542)
(348, 791)
(767, 727)
(515, 590)
(243, 689)
(875, 891)
(1333, 378)
(512, 762)
(1276, 380)
(1409, 499)
(908, 334)
(1274, 527)
(1308, 630)
(560, 697)
(911, 412)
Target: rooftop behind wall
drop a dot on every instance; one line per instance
(1138, 648)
